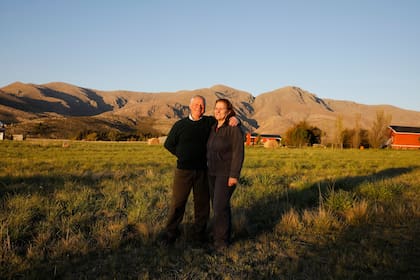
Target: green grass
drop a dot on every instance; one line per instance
(93, 210)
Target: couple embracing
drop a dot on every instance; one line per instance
(210, 154)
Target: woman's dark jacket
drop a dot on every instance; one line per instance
(225, 151)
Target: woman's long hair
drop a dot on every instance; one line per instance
(229, 107)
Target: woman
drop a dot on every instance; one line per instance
(225, 155)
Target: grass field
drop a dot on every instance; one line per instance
(93, 210)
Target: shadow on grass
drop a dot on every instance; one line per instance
(137, 256)
(48, 184)
(384, 248)
(40, 184)
(387, 247)
(265, 213)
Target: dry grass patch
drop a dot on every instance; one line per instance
(290, 223)
(320, 221)
(358, 213)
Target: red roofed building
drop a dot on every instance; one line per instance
(255, 138)
(404, 137)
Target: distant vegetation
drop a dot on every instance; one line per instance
(299, 135)
(85, 128)
(303, 134)
(93, 210)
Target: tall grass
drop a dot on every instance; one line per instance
(94, 210)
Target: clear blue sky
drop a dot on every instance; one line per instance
(367, 51)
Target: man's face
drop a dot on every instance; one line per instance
(197, 108)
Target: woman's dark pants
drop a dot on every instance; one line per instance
(220, 195)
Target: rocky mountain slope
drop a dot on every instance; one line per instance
(271, 112)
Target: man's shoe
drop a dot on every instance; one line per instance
(167, 240)
(220, 246)
(201, 238)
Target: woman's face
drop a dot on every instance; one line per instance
(220, 111)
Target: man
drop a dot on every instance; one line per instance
(187, 140)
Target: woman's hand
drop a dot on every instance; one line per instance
(232, 181)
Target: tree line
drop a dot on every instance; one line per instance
(303, 134)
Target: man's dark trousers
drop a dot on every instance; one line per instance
(184, 181)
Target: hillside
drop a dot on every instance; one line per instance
(270, 112)
(280, 109)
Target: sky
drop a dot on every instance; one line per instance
(366, 51)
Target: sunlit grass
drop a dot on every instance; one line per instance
(95, 209)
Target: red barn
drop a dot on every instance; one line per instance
(404, 137)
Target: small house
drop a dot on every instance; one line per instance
(2, 131)
(404, 137)
(255, 138)
(18, 137)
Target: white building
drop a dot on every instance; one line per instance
(2, 131)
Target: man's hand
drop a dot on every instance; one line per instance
(234, 121)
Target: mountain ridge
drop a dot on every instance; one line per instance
(270, 112)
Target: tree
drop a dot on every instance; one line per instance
(348, 136)
(364, 138)
(315, 135)
(339, 131)
(356, 139)
(378, 134)
(302, 135)
(93, 136)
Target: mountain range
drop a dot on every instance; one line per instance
(272, 112)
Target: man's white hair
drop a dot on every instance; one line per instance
(198, 96)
